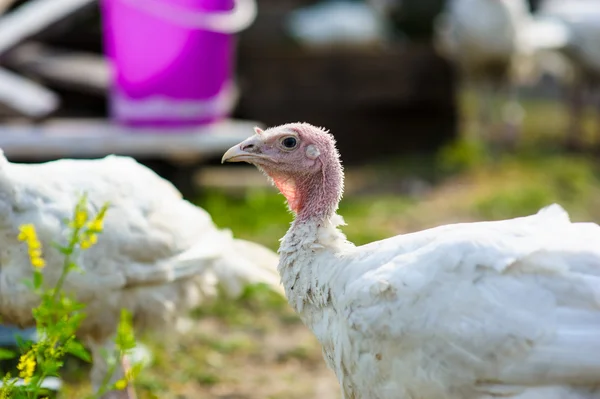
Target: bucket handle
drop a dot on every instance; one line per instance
(228, 22)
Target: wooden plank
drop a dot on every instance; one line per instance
(33, 17)
(5, 4)
(83, 72)
(99, 137)
(25, 96)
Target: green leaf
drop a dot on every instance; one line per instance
(62, 249)
(73, 266)
(38, 279)
(6, 354)
(27, 282)
(22, 344)
(76, 348)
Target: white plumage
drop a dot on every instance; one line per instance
(462, 311)
(465, 311)
(477, 32)
(158, 256)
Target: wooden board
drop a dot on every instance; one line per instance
(99, 137)
(83, 72)
(25, 96)
(5, 4)
(33, 17)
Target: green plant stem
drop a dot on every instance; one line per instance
(59, 315)
(65, 269)
(61, 279)
(38, 385)
(58, 289)
(108, 376)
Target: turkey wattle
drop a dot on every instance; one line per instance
(158, 256)
(466, 311)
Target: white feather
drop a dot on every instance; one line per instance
(477, 310)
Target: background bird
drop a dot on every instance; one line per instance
(494, 44)
(578, 69)
(464, 311)
(158, 256)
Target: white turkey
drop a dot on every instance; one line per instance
(581, 50)
(158, 256)
(466, 311)
(494, 44)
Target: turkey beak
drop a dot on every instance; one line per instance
(247, 151)
(234, 154)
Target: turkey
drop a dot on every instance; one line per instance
(158, 256)
(581, 50)
(494, 43)
(465, 311)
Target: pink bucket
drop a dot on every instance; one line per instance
(173, 60)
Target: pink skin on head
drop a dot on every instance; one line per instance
(309, 175)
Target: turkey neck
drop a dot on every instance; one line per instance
(313, 242)
(320, 193)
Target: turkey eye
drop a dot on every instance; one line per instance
(289, 142)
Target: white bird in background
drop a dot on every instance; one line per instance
(335, 23)
(494, 43)
(158, 256)
(465, 311)
(580, 49)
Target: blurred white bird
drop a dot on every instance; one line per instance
(494, 43)
(579, 66)
(158, 256)
(336, 22)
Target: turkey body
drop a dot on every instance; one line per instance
(478, 310)
(158, 255)
(464, 311)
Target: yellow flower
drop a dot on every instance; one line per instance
(38, 263)
(34, 253)
(87, 240)
(121, 384)
(96, 225)
(89, 237)
(26, 366)
(28, 234)
(81, 217)
(25, 231)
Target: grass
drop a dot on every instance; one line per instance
(256, 347)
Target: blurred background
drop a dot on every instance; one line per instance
(443, 110)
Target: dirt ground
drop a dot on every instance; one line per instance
(251, 348)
